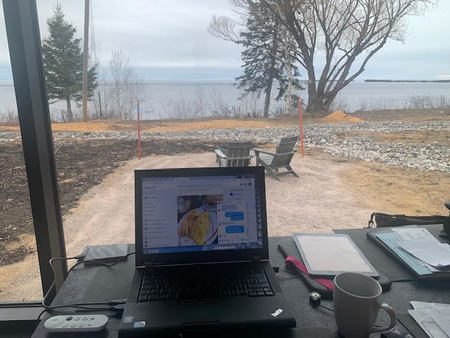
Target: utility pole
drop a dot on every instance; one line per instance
(85, 59)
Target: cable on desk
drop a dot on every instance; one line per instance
(326, 307)
(111, 305)
(50, 261)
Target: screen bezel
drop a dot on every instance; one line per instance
(199, 256)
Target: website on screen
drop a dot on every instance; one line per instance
(200, 213)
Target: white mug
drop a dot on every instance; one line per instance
(356, 299)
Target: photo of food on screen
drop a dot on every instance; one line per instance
(197, 219)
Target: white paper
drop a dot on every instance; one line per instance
(414, 234)
(442, 318)
(427, 323)
(435, 254)
(432, 317)
(425, 305)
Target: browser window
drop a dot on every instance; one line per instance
(200, 213)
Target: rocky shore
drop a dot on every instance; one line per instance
(353, 140)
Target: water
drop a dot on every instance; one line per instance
(187, 100)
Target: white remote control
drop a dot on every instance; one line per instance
(76, 323)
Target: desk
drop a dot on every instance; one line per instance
(93, 284)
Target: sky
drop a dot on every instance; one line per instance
(168, 40)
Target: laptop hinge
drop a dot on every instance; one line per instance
(149, 264)
(256, 258)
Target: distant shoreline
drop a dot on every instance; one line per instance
(439, 81)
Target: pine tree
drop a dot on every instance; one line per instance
(266, 57)
(63, 63)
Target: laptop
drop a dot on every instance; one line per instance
(202, 259)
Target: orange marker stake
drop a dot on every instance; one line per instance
(300, 114)
(139, 130)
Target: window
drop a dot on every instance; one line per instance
(379, 144)
(20, 278)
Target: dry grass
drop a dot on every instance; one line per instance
(167, 125)
(398, 190)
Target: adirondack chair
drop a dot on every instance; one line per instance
(281, 158)
(236, 154)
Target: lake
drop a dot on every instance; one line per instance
(186, 100)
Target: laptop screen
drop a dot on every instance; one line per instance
(200, 213)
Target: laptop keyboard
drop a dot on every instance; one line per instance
(186, 284)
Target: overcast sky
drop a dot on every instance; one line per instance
(167, 40)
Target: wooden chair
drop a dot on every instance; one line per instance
(236, 154)
(281, 158)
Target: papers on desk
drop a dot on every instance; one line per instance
(433, 318)
(420, 243)
(418, 249)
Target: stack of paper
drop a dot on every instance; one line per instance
(420, 243)
(433, 318)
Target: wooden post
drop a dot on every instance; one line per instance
(300, 114)
(139, 130)
(85, 59)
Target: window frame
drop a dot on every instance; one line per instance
(23, 35)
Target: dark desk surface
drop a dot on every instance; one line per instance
(97, 283)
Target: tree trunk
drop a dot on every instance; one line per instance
(315, 105)
(69, 110)
(267, 98)
(268, 90)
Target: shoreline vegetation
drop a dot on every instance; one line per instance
(425, 81)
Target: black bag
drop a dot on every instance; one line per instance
(386, 220)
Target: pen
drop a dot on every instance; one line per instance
(322, 285)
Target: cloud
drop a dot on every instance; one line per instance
(171, 35)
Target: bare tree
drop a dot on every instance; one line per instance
(224, 28)
(124, 90)
(343, 35)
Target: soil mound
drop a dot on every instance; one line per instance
(340, 117)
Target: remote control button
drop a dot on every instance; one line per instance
(77, 318)
(69, 317)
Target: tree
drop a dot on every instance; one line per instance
(266, 57)
(342, 34)
(124, 90)
(63, 62)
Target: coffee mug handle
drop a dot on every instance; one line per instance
(392, 316)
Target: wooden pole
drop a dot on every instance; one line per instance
(85, 59)
(139, 130)
(300, 114)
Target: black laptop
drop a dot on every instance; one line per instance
(202, 259)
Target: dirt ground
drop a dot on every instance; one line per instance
(316, 202)
(331, 193)
(80, 166)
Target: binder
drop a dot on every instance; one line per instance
(387, 239)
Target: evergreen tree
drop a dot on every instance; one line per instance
(63, 63)
(267, 56)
